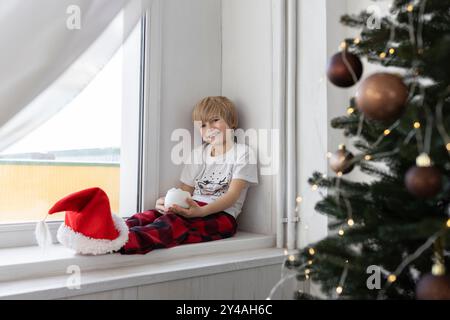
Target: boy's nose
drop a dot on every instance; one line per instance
(209, 125)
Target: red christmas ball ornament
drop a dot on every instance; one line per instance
(344, 69)
(423, 180)
(382, 96)
(433, 287)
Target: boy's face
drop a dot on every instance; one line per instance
(215, 131)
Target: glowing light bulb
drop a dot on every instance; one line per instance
(341, 232)
(343, 45)
(339, 290)
(448, 146)
(386, 132)
(416, 125)
(391, 51)
(291, 258)
(350, 110)
(367, 157)
(448, 223)
(314, 187)
(339, 174)
(310, 262)
(383, 55)
(307, 271)
(356, 40)
(299, 199)
(392, 278)
(410, 8)
(350, 222)
(438, 269)
(423, 160)
(311, 251)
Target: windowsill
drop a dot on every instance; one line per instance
(27, 273)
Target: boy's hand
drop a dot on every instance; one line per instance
(160, 204)
(194, 209)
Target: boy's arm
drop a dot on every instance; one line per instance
(227, 200)
(222, 203)
(186, 187)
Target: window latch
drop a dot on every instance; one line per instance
(294, 219)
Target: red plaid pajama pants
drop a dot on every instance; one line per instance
(151, 229)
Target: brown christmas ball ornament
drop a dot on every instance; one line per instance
(423, 180)
(382, 96)
(341, 160)
(433, 287)
(344, 69)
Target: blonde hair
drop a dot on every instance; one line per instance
(220, 106)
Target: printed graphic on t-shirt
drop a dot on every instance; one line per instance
(213, 184)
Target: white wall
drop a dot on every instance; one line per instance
(191, 69)
(245, 284)
(247, 80)
(312, 114)
(214, 47)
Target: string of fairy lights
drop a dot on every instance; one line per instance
(423, 159)
(392, 276)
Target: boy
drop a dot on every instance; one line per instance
(218, 185)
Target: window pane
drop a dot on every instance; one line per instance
(77, 148)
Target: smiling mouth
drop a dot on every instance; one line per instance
(213, 136)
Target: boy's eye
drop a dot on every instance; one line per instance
(203, 125)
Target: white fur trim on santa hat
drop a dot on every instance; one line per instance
(86, 245)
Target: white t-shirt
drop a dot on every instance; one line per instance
(211, 176)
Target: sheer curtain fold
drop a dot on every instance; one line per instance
(44, 63)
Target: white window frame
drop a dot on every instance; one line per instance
(135, 172)
(23, 234)
(145, 190)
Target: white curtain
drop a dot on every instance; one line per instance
(44, 63)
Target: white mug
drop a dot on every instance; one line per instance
(178, 197)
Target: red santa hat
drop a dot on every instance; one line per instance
(89, 226)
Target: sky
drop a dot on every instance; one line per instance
(90, 120)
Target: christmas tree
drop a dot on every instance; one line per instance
(394, 226)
